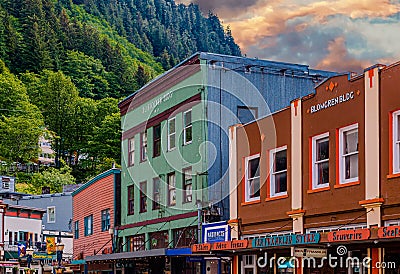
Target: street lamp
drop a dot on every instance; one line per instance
(60, 249)
(29, 253)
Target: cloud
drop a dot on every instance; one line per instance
(340, 35)
(339, 59)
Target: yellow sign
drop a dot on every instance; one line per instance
(51, 245)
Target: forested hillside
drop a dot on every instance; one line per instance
(64, 65)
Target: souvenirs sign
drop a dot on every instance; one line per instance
(349, 235)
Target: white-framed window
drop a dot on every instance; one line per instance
(252, 178)
(396, 141)
(51, 214)
(187, 185)
(320, 160)
(249, 264)
(187, 127)
(278, 178)
(171, 189)
(143, 146)
(171, 134)
(131, 151)
(348, 154)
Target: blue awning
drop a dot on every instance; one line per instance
(178, 251)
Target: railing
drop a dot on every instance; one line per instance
(13, 246)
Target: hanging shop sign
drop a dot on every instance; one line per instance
(216, 232)
(349, 235)
(310, 252)
(389, 232)
(42, 256)
(201, 247)
(286, 240)
(231, 245)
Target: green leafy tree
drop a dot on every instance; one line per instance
(53, 178)
(21, 123)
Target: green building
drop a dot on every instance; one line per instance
(175, 151)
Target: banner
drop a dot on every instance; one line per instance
(21, 249)
(51, 245)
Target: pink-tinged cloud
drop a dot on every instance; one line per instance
(339, 59)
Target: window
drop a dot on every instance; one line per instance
(76, 229)
(171, 189)
(143, 197)
(131, 200)
(143, 146)
(278, 160)
(10, 237)
(320, 161)
(136, 242)
(171, 133)
(131, 151)
(348, 154)
(396, 141)
(187, 127)
(51, 214)
(88, 225)
(187, 185)
(156, 140)
(252, 178)
(105, 220)
(185, 236)
(246, 114)
(159, 240)
(156, 193)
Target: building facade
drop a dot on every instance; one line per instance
(94, 219)
(57, 220)
(175, 146)
(319, 178)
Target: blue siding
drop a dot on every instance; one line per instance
(235, 81)
(63, 206)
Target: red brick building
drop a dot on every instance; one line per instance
(94, 216)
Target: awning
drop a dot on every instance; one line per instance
(179, 251)
(127, 255)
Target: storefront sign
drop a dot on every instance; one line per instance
(332, 102)
(284, 240)
(310, 252)
(349, 235)
(389, 232)
(201, 247)
(42, 256)
(216, 232)
(156, 102)
(231, 245)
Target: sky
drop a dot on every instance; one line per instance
(343, 35)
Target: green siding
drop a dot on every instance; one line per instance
(183, 156)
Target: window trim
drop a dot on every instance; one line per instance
(341, 164)
(169, 134)
(143, 195)
(143, 146)
(395, 149)
(184, 185)
(158, 141)
(105, 223)
(255, 109)
(156, 204)
(187, 127)
(272, 193)
(247, 198)
(76, 229)
(130, 210)
(88, 218)
(313, 161)
(48, 215)
(131, 151)
(171, 189)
